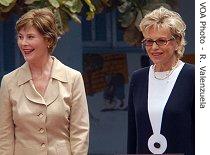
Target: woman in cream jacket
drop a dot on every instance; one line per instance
(43, 107)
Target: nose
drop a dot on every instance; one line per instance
(23, 41)
(154, 45)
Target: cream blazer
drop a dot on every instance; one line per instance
(56, 124)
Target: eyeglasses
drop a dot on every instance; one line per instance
(159, 41)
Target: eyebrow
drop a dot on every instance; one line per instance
(156, 38)
(26, 34)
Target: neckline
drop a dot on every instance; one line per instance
(167, 73)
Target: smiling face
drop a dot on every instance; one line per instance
(33, 46)
(163, 56)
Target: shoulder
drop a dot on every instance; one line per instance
(140, 73)
(189, 69)
(72, 72)
(64, 72)
(187, 74)
(73, 76)
(12, 76)
(139, 77)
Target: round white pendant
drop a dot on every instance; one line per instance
(157, 144)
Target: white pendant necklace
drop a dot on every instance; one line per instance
(157, 143)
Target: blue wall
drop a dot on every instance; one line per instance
(69, 48)
(187, 11)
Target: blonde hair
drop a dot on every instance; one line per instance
(44, 21)
(164, 18)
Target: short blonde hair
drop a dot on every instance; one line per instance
(44, 21)
(164, 18)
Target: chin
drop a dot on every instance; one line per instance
(157, 61)
(28, 59)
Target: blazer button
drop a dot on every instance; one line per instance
(43, 145)
(41, 130)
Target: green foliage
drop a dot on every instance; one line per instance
(6, 6)
(130, 12)
(54, 3)
(6, 2)
(64, 10)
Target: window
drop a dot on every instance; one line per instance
(97, 33)
(103, 32)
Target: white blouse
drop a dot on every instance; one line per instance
(158, 95)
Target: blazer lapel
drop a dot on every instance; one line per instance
(25, 79)
(31, 93)
(58, 75)
(173, 99)
(177, 84)
(51, 92)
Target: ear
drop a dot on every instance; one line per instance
(178, 40)
(48, 42)
(177, 47)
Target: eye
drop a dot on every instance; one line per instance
(161, 41)
(148, 42)
(19, 37)
(30, 37)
